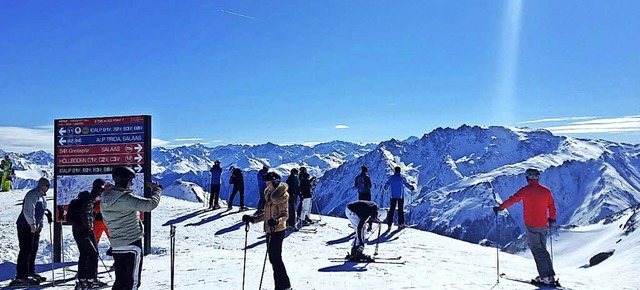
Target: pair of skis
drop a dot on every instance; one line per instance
(532, 282)
(378, 260)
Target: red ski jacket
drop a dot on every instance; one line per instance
(537, 203)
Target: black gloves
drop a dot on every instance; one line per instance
(412, 188)
(496, 209)
(272, 222)
(552, 222)
(49, 216)
(247, 218)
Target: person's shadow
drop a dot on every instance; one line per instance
(346, 267)
(8, 270)
(341, 240)
(184, 217)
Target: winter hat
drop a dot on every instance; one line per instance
(43, 182)
(532, 173)
(364, 168)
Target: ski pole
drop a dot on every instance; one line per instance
(172, 239)
(264, 264)
(244, 265)
(497, 238)
(98, 254)
(53, 275)
(551, 243)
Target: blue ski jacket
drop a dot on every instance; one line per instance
(396, 181)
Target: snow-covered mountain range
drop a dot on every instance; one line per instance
(459, 175)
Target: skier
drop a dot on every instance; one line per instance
(261, 186)
(86, 239)
(397, 183)
(275, 216)
(539, 212)
(121, 212)
(7, 171)
(359, 213)
(294, 191)
(237, 180)
(98, 225)
(29, 224)
(216, 174)
(305, 196)
(363, 184)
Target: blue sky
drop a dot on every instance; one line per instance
(219, 72)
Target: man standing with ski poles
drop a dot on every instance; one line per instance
(216, 174)
(397, 183)
(121, 209)
(275, 215)
(29, 224)
(539, 212)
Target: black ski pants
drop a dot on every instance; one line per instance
(28, 243)
(366, 196)
(88, 260)
(400, 203)
(128, 262)
(274, 244)
(292, 210)
(261, 201)
(233, 195)
(215, 194)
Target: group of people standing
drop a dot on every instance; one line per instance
(396, 182)
(113, 210)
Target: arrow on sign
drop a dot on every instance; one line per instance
(137, 168)
(138, 158)
(62, 131)
(138, 147)
(62, 141)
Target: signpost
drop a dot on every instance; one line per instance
(89, 148)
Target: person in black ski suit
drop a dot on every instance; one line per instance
(363, 184)
(359, 213)
(261, 186)
(304, 207)
(29, 224)
(294, 192)
(216, 173)
(86, 240)
(274, 216)
(237, 180)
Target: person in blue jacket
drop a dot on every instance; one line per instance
(397, 183)
(216, 173)
(29, 224)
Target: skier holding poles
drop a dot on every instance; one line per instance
(274, 216)
(397, 183)
(539, 212)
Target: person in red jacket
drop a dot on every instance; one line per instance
(98, 224)
(539, 212)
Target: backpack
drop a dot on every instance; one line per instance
(361, 184)
(74, 213)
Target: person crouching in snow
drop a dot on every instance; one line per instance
(275, 215)
(360, 213)
(537, 202)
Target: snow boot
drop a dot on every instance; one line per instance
(21, 282)
(37, 277)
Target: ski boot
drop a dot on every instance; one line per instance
(95, 284)
(37, 277)
(23, 282)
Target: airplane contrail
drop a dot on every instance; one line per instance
(237, 14)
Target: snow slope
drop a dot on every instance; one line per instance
(209, 254)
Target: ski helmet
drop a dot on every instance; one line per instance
(303, 169)
(397, 169)
(273, 177)
(98, 183)
(122, 175)
(532, 173)
(364, 168)
(294, 171)
(217, 162)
